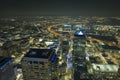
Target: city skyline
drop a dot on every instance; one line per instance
(60, 47)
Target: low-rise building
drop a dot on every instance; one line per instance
(102, 71)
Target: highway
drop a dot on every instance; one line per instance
(52, 31)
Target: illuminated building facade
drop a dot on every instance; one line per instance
(39, 64)
(79, 55)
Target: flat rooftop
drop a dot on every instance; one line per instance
(105, 67)
(40, 53)
(5, 61)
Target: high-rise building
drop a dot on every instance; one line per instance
(39, 64)
(79, 52)
(6, 69)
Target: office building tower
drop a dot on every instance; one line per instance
(79, 55)
(39, 64)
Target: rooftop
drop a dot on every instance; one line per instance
(5, 61)
(105, 67)
(40, 53)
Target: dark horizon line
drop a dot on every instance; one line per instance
(63, 15)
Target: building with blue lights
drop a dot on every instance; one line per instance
(6, 69)
(39, 64)
(80, 33)
(79, 59)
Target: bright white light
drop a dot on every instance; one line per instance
(60, 57)
(80, 33)
(60, 62)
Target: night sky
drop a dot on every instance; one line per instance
(60, 7)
